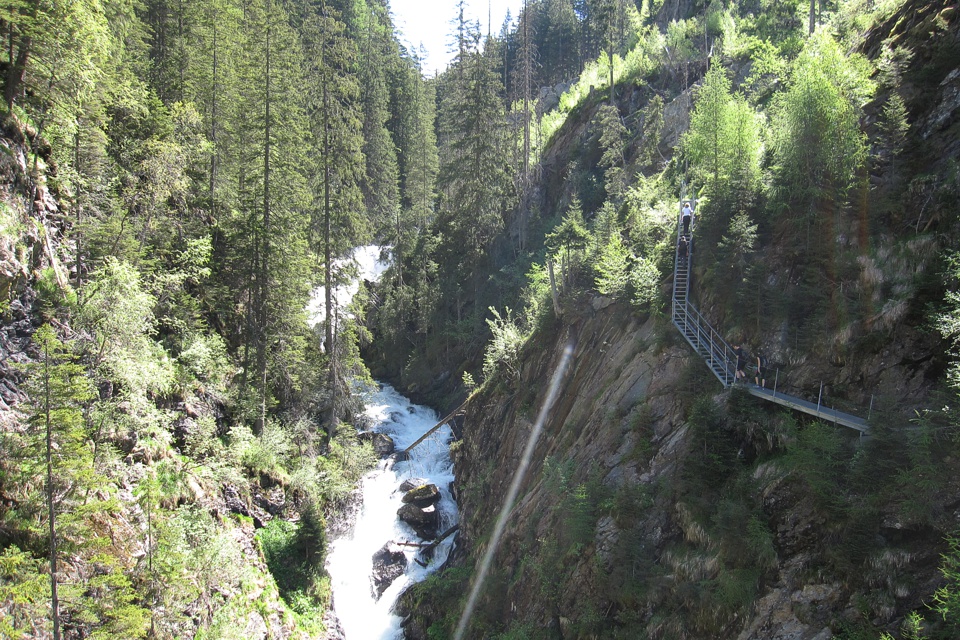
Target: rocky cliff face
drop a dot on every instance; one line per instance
(657, 505)
(29, 235)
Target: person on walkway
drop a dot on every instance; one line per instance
(760, 379)
(682, 250)
(686, 215)
(741, 362)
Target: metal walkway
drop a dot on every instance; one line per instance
(825, 414)
(719, 356)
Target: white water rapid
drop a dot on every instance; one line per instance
(350, 561)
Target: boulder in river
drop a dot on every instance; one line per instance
(383, 444)
(389, 563)
(425, 495)
(412, 483)
(424, 521)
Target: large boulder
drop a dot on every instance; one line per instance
(383, 444)
(425, 495)
(424, 521)
(389, 563)
(412, 483)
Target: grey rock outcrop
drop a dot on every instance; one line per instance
(423, 496)
(389, 563)
(412, 483)
(383, 444)
(425, 522)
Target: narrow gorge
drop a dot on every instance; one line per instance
(213, 391)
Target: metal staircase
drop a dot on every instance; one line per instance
(719, 356)
(702, 337)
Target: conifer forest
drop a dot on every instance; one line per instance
(753, 434)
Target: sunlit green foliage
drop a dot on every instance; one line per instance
(818, 143)
(501, 356)
(294, 554)
(725, 143)
(568, 240)
(612, 267)
(25, 589)
(119, 312)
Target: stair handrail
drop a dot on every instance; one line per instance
(676, 259)
(719, 353)
(719, 350)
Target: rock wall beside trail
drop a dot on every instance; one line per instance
(29, 238)
(616, 406)
(622, 433)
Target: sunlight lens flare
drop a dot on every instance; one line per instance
(518, 476)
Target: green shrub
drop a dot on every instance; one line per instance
(268, 454)
(335, 475)
(503, 351)
(204, 357)
(518, 631)
(25, 590)
(947, 598)
(294, 554)
(50, 294)
(816, 456)
(612, 274)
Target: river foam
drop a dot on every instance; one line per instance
(350, 561)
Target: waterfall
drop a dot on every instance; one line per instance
(369, 266)
(362, 615)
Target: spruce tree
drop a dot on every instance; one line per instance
(705, 139)
(380, 184)
(58, 388)
(415, 103)
(819, 148)
(557, 41)
(474, 172)
(527, 60)
(335, 116)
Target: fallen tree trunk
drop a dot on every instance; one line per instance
(453, 414)
(443, 536)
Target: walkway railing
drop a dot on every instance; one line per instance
(706, 341)
(719, 355)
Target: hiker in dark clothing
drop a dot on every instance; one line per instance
(741, 362)
(760, 379)
(682, 250)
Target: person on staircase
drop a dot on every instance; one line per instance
(683, 250)
(686, 217)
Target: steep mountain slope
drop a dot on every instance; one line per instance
(155, 534)
(658, 506)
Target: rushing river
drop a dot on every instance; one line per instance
(350, 561)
